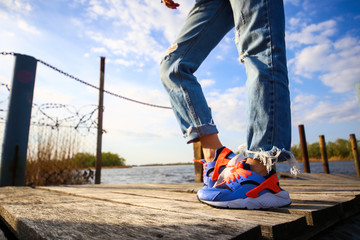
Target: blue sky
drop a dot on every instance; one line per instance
(323, 49)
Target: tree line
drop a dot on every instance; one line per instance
(108, 159)
(340, 150)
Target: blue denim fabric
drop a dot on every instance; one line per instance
(260, 39)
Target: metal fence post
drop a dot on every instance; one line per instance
(14, 151)
(100, 123)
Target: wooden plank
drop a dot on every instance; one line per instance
(319, 176)
(317, 213)
(329, 177)
(336, 197)
(39, 214)
(322, 214)
(274, 225)
(158, 210)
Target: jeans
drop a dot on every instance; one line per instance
(260, 40)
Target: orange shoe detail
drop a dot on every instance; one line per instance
(199, 161)
(238, 171)
(220, 162)
(270, 183)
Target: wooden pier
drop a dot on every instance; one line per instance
(172, 211)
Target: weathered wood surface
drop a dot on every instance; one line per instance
(172, 211)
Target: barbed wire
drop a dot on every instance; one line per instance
(89, 84)
(6, 86)
(71, 114)
(72, 117)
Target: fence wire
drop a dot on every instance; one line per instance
(55, 115)
(89, 84)
(59, 131)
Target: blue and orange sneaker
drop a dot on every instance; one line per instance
(212, 170)
(246, 189)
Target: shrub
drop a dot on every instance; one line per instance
(50, 160)
(84, 160)
(112, 159)
(108, 159)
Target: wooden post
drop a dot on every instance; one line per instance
(100, 122)
(324, 154)
(355, 153)
(305, 156)
(198, 154)
(14, 151)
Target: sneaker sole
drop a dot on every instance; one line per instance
(267, 200)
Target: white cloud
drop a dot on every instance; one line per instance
(318, 55)
(311, 34)
(226, 45)
(75, 3)
(229, 108)
(23, 25)
(14, 12)
(42, 95)
(294, 22)
(141, 30)
(128, 63)
(98, 50)
(293, 2)
(96, 9)
(20, 6)
(135, 120)
(7, 34)
(311, 59)
(307, 108)
(342, 80)
(220, 57)
(207, 83)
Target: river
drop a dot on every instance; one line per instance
(185, 173)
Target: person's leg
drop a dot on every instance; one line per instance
(205, 26)
(260, 38)
(209, 144)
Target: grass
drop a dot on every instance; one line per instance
(49, 160)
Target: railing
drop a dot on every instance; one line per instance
(15, 144)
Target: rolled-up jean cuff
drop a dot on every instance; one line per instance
(275, 154)
(269, 158)
(193, 134)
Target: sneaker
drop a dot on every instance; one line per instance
(246, 189)
(213, 169)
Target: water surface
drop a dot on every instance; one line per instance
(185, 173)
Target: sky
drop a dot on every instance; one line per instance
(323, 49)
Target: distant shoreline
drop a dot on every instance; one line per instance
(110, 167)
(191, 163)
(145, 165)
(164, 164)
(330, 159)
